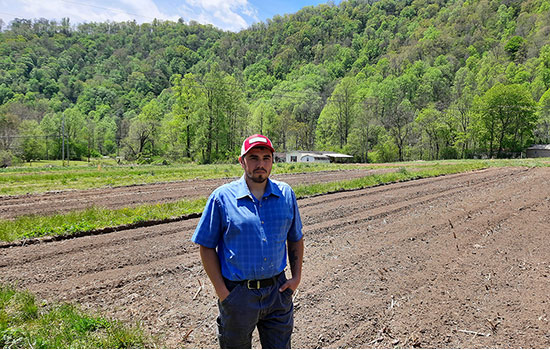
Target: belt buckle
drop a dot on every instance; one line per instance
(252, 286)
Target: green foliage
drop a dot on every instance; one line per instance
(508, 119)
(91, 175)
(542, 132)
(515, 47)
(31, 226)
(6, 159)
(24, 324)
(435, 133)
(402, 174)
(191, 91)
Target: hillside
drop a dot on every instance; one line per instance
(386, 80)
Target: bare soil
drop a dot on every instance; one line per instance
(459, 261)
(54, 202)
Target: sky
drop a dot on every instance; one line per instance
(231, 15)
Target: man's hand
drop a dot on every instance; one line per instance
(222, 293)
(291, 283)
(211, 265)
(295, 257)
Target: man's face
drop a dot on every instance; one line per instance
(257, 164)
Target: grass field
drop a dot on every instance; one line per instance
(24, 323)
(23, 180)
(31, 226)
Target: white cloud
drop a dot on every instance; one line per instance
(84, 10)
(225, 14)
(231, 15)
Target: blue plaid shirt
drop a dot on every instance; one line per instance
(250, 236)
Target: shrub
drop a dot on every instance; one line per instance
(6, 159)
(449, 153)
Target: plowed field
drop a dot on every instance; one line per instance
(459, 261)
(129, 196)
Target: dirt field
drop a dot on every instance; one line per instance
(131, 196)
(459, 261)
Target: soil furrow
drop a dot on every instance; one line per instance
(416, 264)
(130, 196)
(379, 208)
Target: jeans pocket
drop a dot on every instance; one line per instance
(231, 296)
(287, 296)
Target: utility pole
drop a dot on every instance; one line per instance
(68, 153)
(63, 138)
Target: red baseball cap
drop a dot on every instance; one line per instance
(256, 140)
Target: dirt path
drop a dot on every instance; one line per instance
(460, 261)
(131, 196)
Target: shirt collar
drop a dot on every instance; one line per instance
(244, 191)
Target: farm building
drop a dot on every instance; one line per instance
(319, 157)
(538, 151)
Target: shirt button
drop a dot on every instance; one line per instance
(262, 222)
(265, 259)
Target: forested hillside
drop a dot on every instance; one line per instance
(386, 80)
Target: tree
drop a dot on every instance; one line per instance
(397, 113)
(460, 111)
(235, 110)
(344, 98)
(508, 116)
(338, 115)
(401, 125)
(220, 122)
(181, 127)
(542, 132)
(9, 123)
(369, 110)
(50, 126)
(306, 111)
(144, 130)
(31, 144)
(516, 48)
(431, 122)
(75, 140)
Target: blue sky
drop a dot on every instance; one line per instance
(232, 15)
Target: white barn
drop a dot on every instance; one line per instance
(319, 157)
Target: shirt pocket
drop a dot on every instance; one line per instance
(241, 223)
(281, 222)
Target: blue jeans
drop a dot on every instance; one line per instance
(266, 308)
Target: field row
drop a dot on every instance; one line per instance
(419, 263)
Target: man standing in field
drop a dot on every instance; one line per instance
(243, 235)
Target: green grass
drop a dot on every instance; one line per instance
(93, 218)
(15, 181)
(31, 226)
(24, 324)
(403, 174)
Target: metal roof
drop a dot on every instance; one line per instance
(322, 154)
(316, 156)
(547, 147)
(337, 155)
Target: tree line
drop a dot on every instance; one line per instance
(383, 81)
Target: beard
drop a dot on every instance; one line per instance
(258, 177)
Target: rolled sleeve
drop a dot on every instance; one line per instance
(209, 229)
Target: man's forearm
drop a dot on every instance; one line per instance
(211, 264)
(295, 258)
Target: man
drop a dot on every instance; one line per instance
(243, 235)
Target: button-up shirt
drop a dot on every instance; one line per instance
(250, 234)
